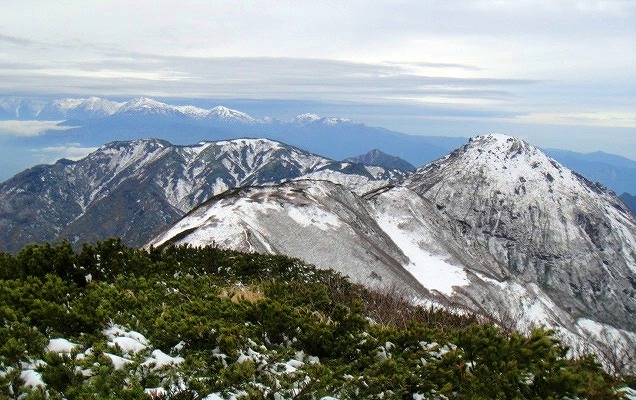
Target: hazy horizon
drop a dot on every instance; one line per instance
(557, 74)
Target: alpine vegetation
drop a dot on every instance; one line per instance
(204, 323)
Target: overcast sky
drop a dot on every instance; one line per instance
(558, 73)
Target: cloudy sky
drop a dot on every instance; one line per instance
(559, 73)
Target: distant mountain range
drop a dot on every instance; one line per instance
(97, 121)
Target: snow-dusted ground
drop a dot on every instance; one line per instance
(135, 343)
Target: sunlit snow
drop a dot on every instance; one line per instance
(430, 270)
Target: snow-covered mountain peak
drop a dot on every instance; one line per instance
(227, 114)
(538, 220)
(147, 106)
(192, 111)
(67, 103)
(505, 165)
(499, 143)
(260, 143)
(307, 118)
(142, 101)
(121, 154)
(136, 143)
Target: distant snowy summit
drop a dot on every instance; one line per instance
(380, 158)
(96, 107)
(96, 121)
(309, 118)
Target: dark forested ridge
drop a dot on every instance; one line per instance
(110, 321)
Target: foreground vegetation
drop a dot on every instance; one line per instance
(234, 325)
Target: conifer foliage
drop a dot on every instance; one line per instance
(196, 323)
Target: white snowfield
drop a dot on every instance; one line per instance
(60, 345)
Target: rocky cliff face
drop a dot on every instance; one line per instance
(496, 228)
(534, 219)
(134, 189)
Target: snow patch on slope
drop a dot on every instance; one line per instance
(430, 270)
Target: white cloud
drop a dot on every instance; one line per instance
(70, 151)
(29, 128)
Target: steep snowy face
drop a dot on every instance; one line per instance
(211, 168)
(146, 106)
(108, 166)
(309, 118)
(529, 217)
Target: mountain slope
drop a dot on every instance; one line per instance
(379, 158)
(133, 189)
(12, 108)
(496, 227)
(319, 221)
